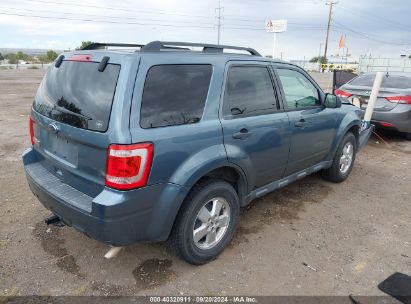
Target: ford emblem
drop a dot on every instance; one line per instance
(53, 127)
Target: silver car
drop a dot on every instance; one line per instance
(393, 107)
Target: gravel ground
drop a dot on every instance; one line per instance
(310, 238)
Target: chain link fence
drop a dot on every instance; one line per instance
(34, 66)
(371, 64)
(365, 64)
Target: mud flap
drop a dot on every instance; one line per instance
(364, 136)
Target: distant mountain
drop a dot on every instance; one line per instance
(30, 52)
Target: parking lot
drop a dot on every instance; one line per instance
(310, 238)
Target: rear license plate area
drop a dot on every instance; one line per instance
(62, 148)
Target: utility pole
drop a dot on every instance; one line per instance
(346, 56)
(218, 13)
(330, 3)
(319, 58)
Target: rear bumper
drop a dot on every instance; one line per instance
(364, 136)
(399, 117)
(114, 217)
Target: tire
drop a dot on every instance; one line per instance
(206, 195)
(407, 136)
(338, 172)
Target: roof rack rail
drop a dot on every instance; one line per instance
(156, 46)
(98, 45)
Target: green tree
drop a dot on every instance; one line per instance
(43, 58)
(1, 57)
(409, 56)
(22, 56)
(319, 58)
(12, 58)
(51, 55)
(84, 44)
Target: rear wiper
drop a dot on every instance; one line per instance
(67, 111)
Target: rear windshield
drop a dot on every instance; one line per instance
(174, 94)
(390, 81)
(78, 94)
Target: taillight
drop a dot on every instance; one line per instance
(400, 99)
(341, 93)
(386, 124)
(31, 128)
(128, 166)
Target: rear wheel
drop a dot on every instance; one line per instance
(343, 160)
(206, 223)
(408, 136)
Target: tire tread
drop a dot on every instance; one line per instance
(177, 241)
(333, 174)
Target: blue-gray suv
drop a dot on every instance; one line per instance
(169, 142)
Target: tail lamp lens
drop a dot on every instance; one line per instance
(128, 166)
(400, 99)
(342, 93)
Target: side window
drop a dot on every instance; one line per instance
(174, 94)
(249, 92)
(299, 91)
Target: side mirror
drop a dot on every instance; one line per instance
(332, 101)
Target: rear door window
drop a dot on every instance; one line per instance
(78, 94)
(249, 92)
(174, 94)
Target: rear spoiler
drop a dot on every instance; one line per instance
(101, 67)
(99, 45)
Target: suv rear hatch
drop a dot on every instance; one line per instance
(70, 119)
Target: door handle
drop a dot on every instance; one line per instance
(300, 123)
(242, 134)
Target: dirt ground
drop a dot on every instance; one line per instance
(351, 235)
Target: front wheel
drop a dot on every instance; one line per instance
(343, 160)
(206, 223)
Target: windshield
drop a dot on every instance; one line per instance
(78, 94)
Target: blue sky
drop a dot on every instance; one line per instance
(382, 28)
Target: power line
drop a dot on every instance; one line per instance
(378, 18)
(211, 26)
(235, 24)
(366, 36)
(103, 16)
(239, 27)
(117, 8)
(263, 30)
(105, 21)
